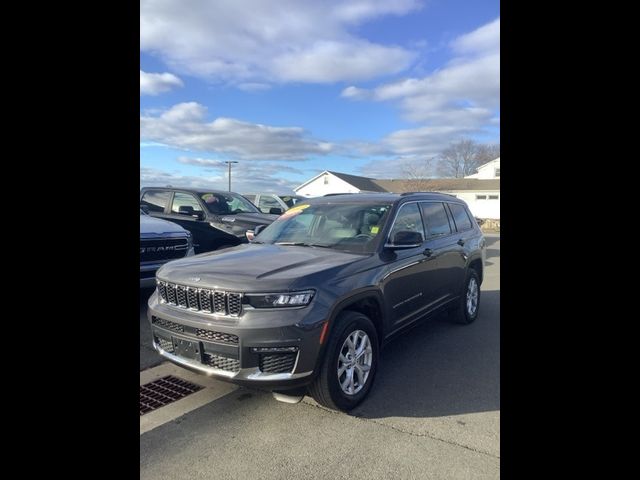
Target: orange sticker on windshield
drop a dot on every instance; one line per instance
(375, 229)
(294, 211)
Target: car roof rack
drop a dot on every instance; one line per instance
(417, 193)
(333, 194)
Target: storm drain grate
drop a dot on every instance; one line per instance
(164, 391)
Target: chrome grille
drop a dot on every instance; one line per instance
(181, 295)
(162, 290)
(235, 303)
(171, 294)
(200, 299)
(223, 363)
(219, 303)
(192, 298)
(219, 337)
(205, 301)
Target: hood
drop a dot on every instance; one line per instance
(156, 226)
(255, 267)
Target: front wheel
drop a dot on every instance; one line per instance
(349, 365)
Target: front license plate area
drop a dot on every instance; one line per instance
(187, 349)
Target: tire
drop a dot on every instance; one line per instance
(326, 389)
(467, 311)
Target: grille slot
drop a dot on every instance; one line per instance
(235, 303)
(219, 303)
(163, 249)
(205, 301)
(192, 298)
(167, 324)
(162, 290)
(277, 363)
(181, 295)
(219, 337)
(171, 294)
(200, 299)
(223, 363)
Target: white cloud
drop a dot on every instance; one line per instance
(254, 86)
(244, 179)
(156, 83)
(254, 41)
(184, 126)
(459, 99)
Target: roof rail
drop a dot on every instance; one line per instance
(333, 194)
(416, 193)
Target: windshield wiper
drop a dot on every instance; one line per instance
(302, 244)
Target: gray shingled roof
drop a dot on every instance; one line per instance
(361, 183)
(438, 184)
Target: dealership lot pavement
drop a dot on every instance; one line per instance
(434, 412)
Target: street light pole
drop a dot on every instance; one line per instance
(229, 162)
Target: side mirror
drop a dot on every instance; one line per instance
(405, 239)
(251, 234)
(275, 211)
(145, 209)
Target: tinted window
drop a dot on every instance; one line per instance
(155, 200)
(184, 200)
(435, 219)
(291, 200)
(267, 202)
(460, 216)
(220, 203)
(408, 219)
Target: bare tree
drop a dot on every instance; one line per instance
(417, 172)
(463, 157)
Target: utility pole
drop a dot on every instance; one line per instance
(229, 162)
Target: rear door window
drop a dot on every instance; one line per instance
(185, 200)
(156, 200)
(266, 203)
(435, 219)
(460, 216)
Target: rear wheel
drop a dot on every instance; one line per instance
(467, 309)
(349, 365)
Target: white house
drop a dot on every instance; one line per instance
(488, 170)
(481, 194)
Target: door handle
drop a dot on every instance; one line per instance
(427, 252)
(461, 242)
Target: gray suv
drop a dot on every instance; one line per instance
(306, 306)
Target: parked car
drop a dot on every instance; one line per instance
(160, 242)
(216, 219)
(272, 203)
(307, 306)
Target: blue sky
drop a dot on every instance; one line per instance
(289, 88)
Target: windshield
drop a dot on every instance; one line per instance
(351, 227)
(291, 200)
(227, 203)
(141, 212)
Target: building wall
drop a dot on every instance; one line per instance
(487, 171)
(317, 188)
(482, 208)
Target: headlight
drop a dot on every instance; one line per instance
(279, 300)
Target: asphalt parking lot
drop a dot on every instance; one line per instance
(434, 412)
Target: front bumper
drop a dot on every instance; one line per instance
(223, 347)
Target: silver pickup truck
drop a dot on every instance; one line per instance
(160, 242)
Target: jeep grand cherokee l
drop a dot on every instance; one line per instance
(215, 218)
(160, 242)
(309, 303)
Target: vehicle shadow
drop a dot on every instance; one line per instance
(439, 368)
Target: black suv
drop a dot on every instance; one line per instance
(311, 301)
(215, 218)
